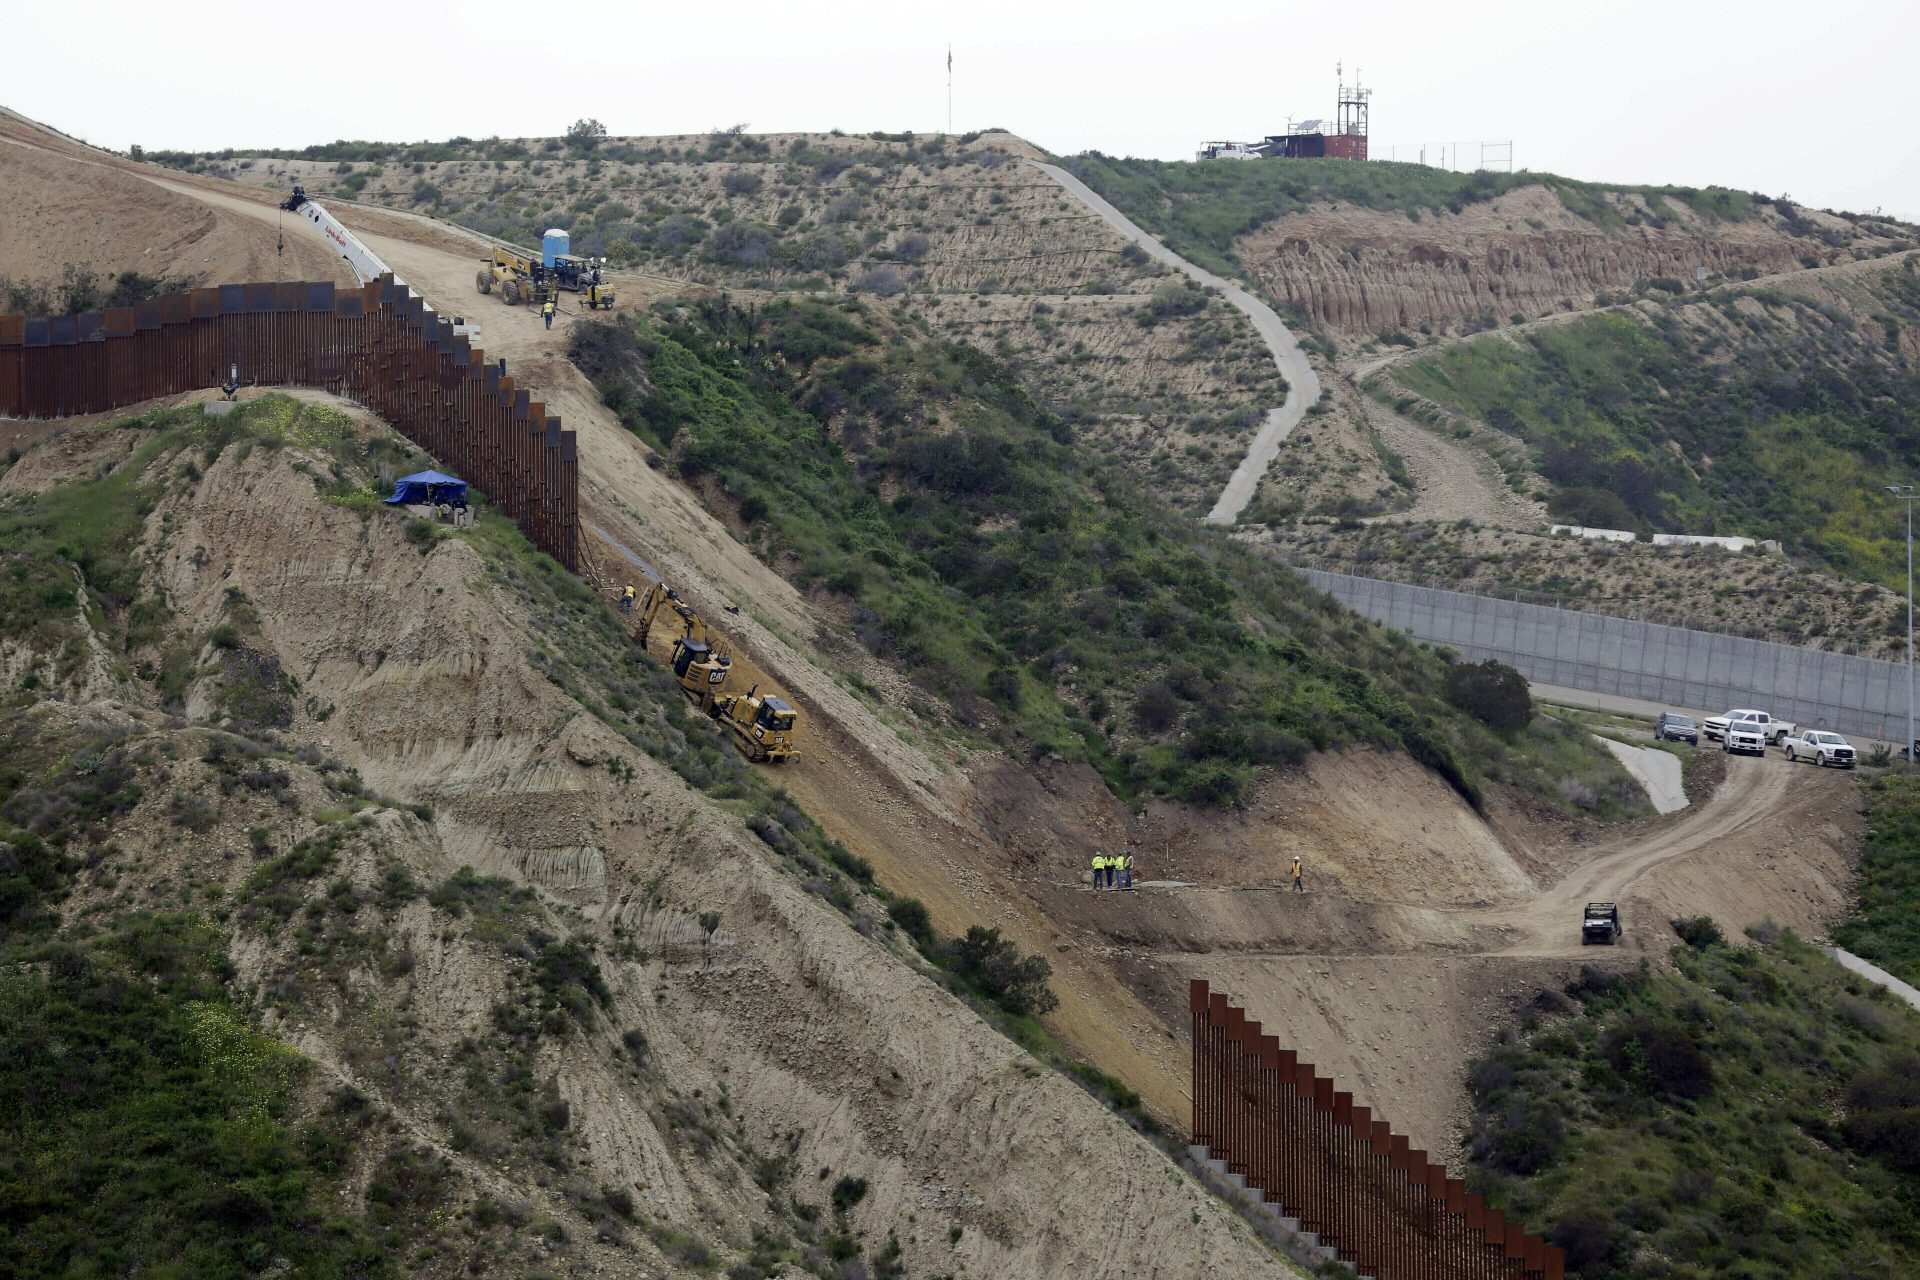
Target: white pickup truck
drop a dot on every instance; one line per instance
(1821, 747)
(1752, 723)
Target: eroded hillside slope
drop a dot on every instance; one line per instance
(1381, 249)
(341, 744)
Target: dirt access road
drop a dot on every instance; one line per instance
(1745, 812)
(1451, 482)
(1396, 999)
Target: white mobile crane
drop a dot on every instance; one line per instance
(362, 261)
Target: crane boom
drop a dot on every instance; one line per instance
(364, 263)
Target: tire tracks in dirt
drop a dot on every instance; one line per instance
(1451, 481)
(1754, 796)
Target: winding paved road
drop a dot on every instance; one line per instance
(1875, 974)
(1303, 388)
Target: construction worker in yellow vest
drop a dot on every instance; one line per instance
(1099, 869)
(626, 599)
(547, 311)
(1299, 882)
(1126, 870)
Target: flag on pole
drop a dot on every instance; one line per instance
(949, 59)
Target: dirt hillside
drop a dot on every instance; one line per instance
(64, 207)
(981, 839)
(977, 245)
(1522, 255)
(424, 670)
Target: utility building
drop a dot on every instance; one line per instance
(1347, 140)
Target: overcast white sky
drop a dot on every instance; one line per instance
(1815, 100)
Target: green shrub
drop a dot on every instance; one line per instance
(1883, 1112)
(586, 134)
(570, 979)
(995, 966)
(848, 1192)
(1591, 509)
(1491, 692)
(1699, 932)
(911, 915)
(1659, 1057)
(1885, 924)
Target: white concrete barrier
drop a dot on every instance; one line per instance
(1599, 535)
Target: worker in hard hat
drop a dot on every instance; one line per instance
(1099, 869)
(626, 599)
(1299, 876)
(547, 311)
(1126, 871)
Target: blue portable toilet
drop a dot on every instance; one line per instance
(558, 244)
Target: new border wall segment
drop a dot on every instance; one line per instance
(1675, 666)
(1337, 1172)
(378, 345)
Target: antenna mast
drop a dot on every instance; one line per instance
(1350, 113)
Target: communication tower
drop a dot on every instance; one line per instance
(1347, 140)
(1351, 113)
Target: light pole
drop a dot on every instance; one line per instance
(1905, 491)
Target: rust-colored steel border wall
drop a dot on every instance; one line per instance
(377, 345)
(1343, 1173)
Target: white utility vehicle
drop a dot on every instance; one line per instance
(1743, 736)
(1769, 729)
(1821, 747)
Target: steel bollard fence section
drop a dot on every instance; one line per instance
(377, 345)
(1337, 1169)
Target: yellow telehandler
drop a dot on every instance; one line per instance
(518, 277)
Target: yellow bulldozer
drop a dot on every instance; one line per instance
(519, 277)
(763, 727)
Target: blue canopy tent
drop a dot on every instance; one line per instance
(430, 488)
